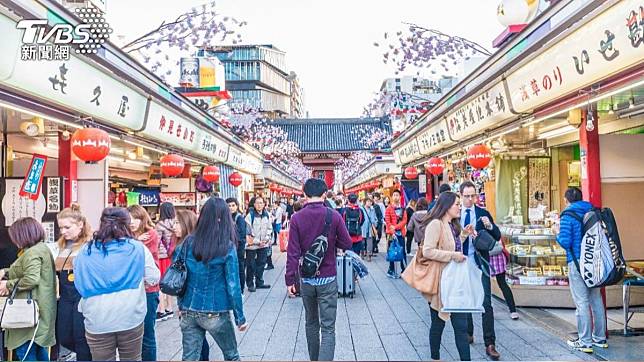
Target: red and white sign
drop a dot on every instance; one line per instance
(32, 183)
(168, 127)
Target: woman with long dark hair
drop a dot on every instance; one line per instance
(443, 243)
(111, 273)
(167, 243)
(212, 289)
(258, 242)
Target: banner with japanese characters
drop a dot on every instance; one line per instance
(434, 138)
(54, 194)
(32, 183)
(408, 151)
(165, 125)
(14, 206)
(484, 111)
(212, 147)
(243, 161)
(609, 43)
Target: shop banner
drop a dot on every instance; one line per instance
(273, 174)
(14, 206)
(54, 194)
(409, 151)
(179, 198)
(374, 170)
(482, 112)
(609, 43)
(71, 83)
(212, 147)
(434, 138)
(33, 179)
(148, 197)
(244, 162)
(168, 127)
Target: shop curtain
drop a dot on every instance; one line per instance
(410, 189)
(506, 170)
(226, 189)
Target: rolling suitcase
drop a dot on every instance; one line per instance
(346, 280)
(283, 240)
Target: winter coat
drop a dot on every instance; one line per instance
(417, 226)
(570, 230)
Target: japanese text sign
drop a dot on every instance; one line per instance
(167, 126)
(33, 179)
(434, 138)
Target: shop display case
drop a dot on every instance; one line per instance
(535, 258)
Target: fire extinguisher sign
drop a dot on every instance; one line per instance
(33, 179)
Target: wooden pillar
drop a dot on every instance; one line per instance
(67, 169)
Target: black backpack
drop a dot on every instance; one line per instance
(353, 220)
(379, 215)
(601, 262)
(313, 258)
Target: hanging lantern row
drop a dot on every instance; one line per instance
(211, 174)
(172, 165)
(479, 156)
(91, 144)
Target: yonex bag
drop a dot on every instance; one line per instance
(601, 262)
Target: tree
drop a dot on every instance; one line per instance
(201, 27)
(428, 48)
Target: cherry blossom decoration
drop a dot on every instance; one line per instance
(201, 27)
(372, 137)
(350, 166)
(420, 47)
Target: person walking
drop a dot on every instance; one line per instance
(591, 327)
(380, 209)
(259, 239)
(319, 294)
(354, 219)
(212, 284)
(165, 229)
(416, 222)
(112, 271)
(369, 227)
(410, 210)
(278, 215)
(143, 230)
(242, 232)
(396, 221)
(75, 232)
(442, 243)
(498, 264)
(480, 219)
(31, 275)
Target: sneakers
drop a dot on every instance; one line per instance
(161, 317)
(514, 315)
(600, 344)
(391, 274)
(169, 314)
(251, 288)
(576, 344)
(263, 286)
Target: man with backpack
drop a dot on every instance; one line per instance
(353, 219)
(591, 329)
(379, 208)
(315, 233)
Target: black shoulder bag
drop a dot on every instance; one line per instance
(175, 280)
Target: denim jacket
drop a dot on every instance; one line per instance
(213, 287)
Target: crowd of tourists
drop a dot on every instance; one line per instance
(98, 291)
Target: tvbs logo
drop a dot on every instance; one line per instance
(36, 32)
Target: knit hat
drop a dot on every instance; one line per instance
(353, 198)
(314, 187)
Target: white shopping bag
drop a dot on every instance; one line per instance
(461, 288)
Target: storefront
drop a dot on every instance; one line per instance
(381, 174)
(278, 184)
(569, 113)
(43, 103)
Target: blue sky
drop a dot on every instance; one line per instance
(328, 43)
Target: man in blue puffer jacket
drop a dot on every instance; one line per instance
(591, 328)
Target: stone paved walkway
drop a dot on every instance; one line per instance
(386, 320)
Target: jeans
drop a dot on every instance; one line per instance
(255, 264)
(36, 353)
(459, 324)
(194, 326)
(205, 350)
(149, 348)
(410, 239)
(590, 327)
(320, 306)
(358, 247)
(489, 336)
(276, 231)
(241, 258)
(507, 292)
(128, 343)
(403, 263)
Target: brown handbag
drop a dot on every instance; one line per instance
(424, 274)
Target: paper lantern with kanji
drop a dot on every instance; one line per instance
(91, 144)
(411, 173)
(211, 173)
(172, 165)
(436, 166)
(235, 179)
(479, 156)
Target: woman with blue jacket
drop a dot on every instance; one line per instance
(591, 328)
(212, 289)
(369, 227)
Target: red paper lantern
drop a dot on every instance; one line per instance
(479, 156)
(436, 166)
(172, 165)
(411, 173)
(274, 187)
(211, 173)
(91, 144)
(235, 179)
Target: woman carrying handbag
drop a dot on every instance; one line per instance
(440, 246)
(29, 321)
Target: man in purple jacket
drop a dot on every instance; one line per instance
(319, 294)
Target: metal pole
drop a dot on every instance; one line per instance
(5, 146)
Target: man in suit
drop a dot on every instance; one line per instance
(482, 220)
